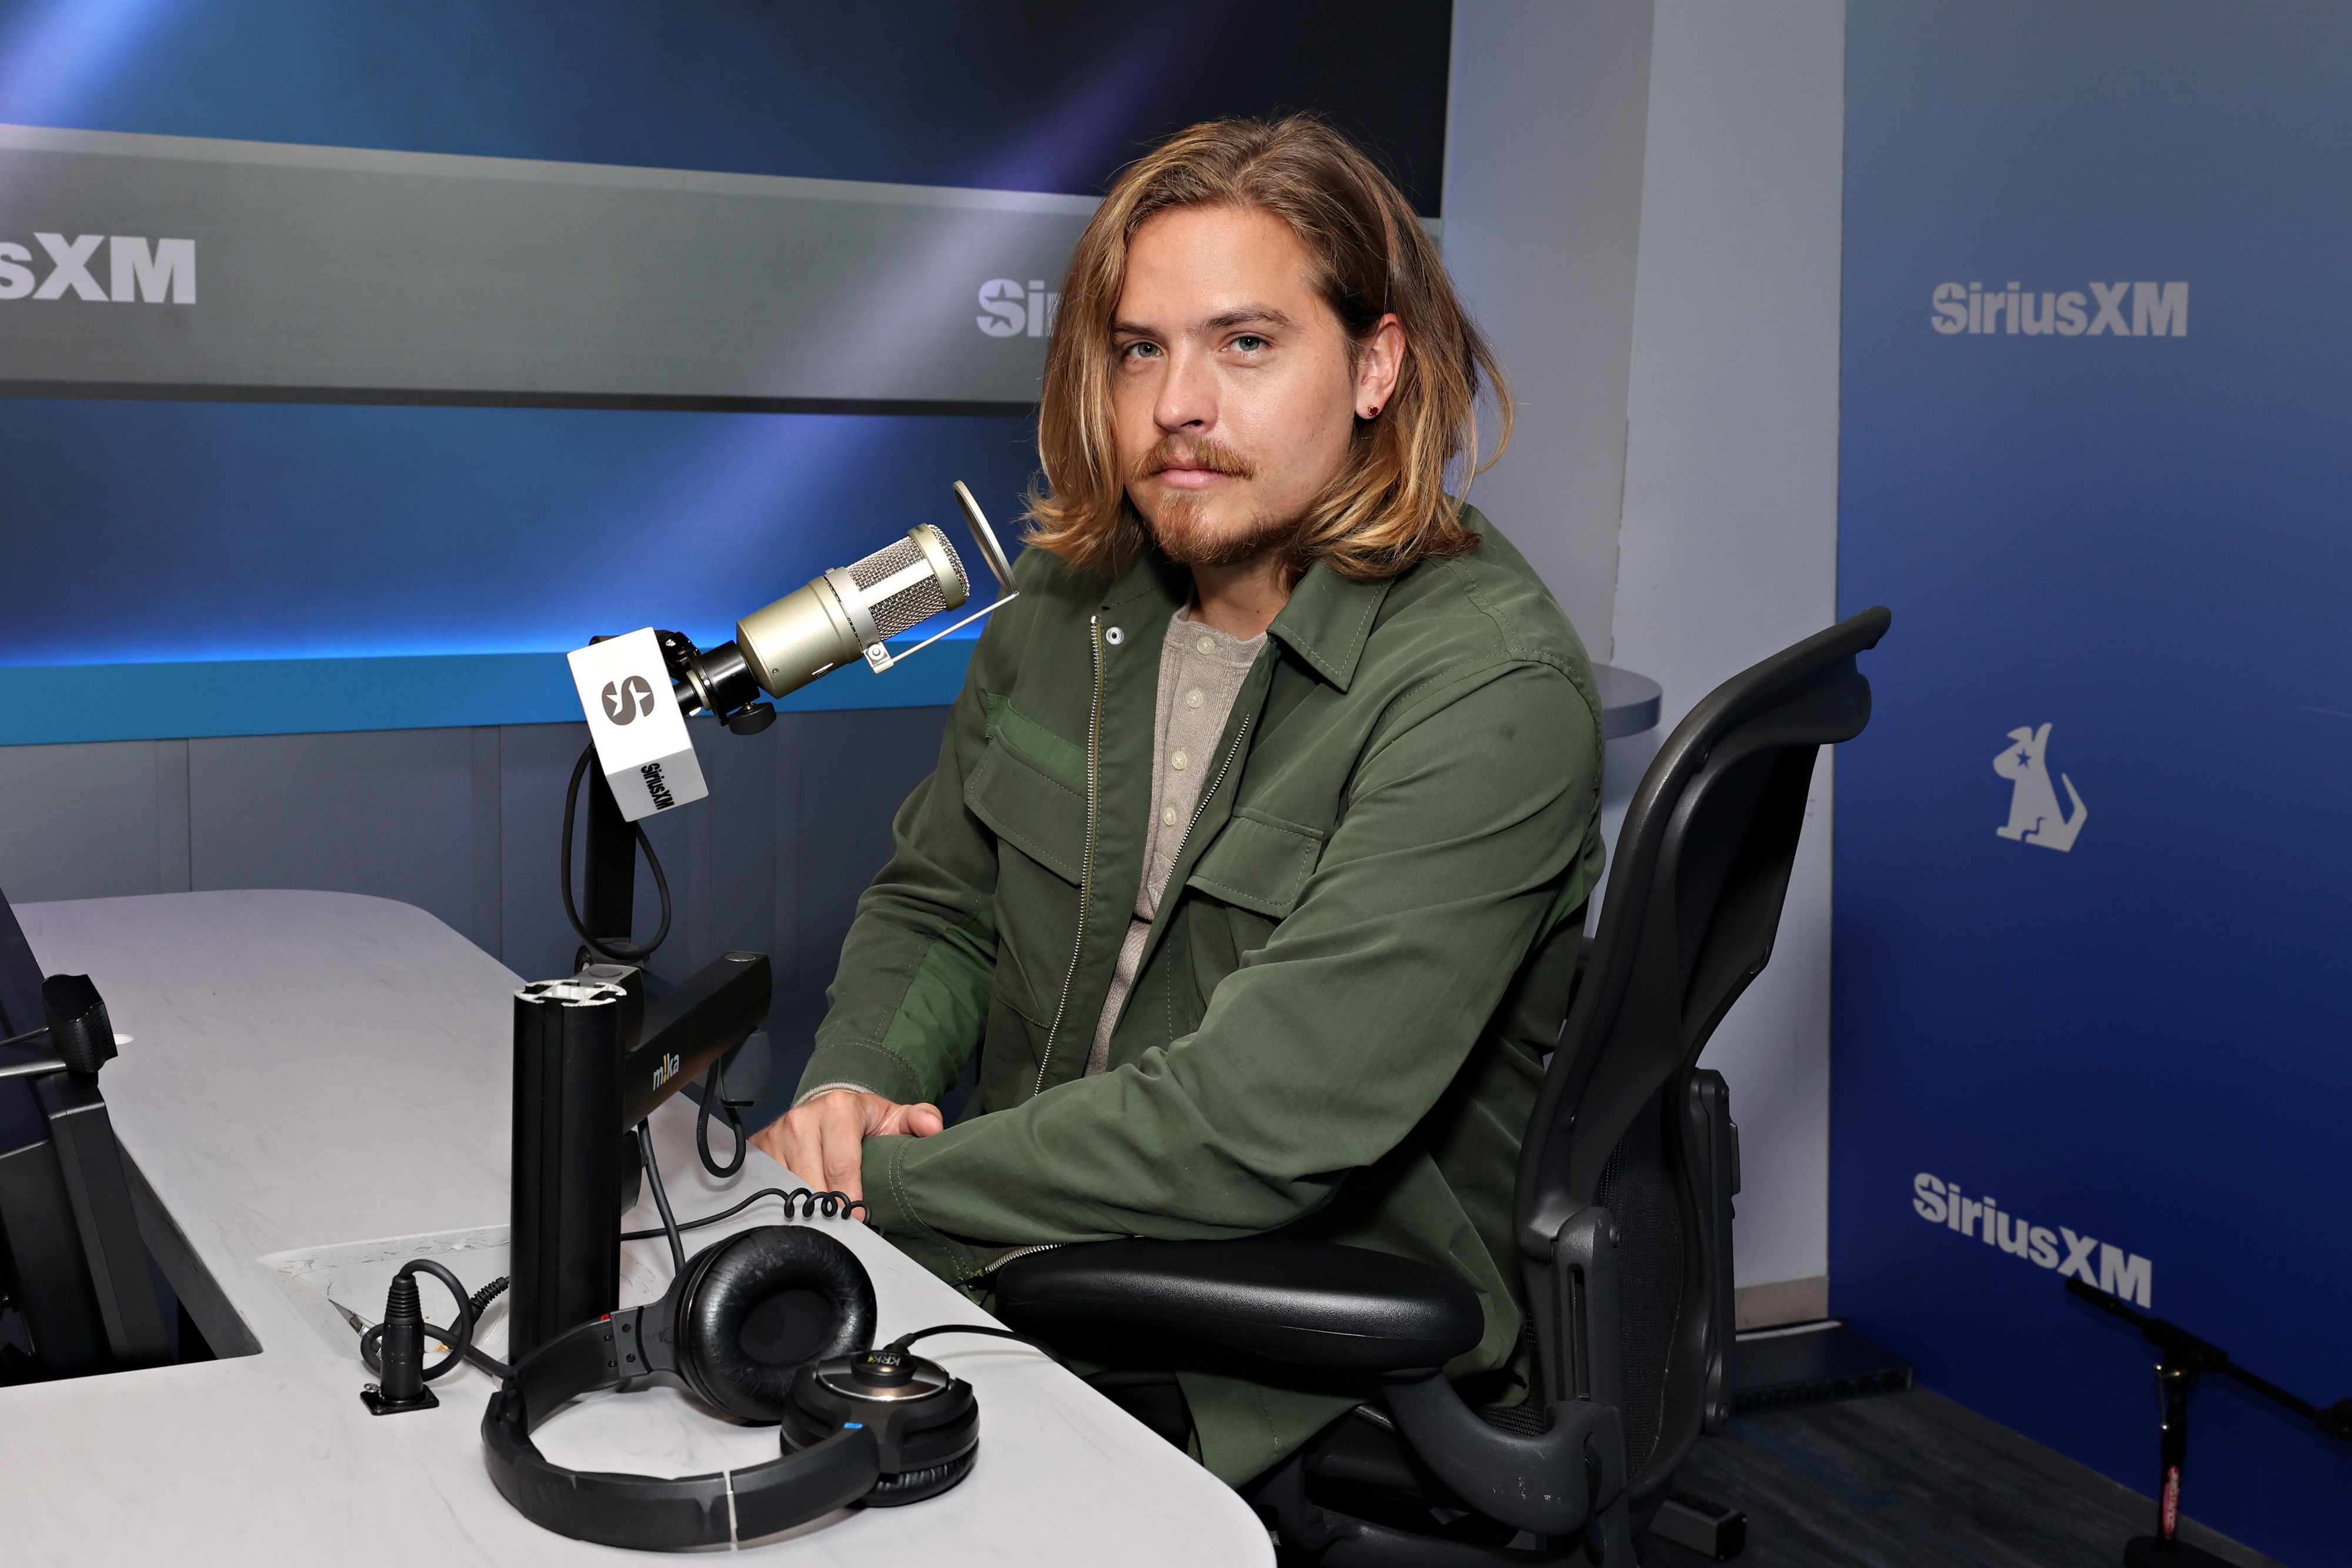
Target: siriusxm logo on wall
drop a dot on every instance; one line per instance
(1012, 311)
(2152, 309)
(2087, 1259)
(2122, 566)
(165, 273)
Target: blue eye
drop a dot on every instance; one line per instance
(1141, 351)
(1249, 342)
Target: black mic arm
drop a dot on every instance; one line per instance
(704, 1019)
(2191, 1355)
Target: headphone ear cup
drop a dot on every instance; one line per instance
(916, 1486)
(760, 1305)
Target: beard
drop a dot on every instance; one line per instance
(1182, 529)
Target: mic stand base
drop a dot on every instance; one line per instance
(373, 1398)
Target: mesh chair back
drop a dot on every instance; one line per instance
(1693, 904)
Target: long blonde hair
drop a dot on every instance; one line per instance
(1387, 507)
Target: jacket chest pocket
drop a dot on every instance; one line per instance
(1040, 823)
(1258, 862)
(1030, 807)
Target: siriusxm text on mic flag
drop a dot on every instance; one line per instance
(642, 747)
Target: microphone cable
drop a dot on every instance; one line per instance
(714, 1088)
(403, 1372)
(617, 952)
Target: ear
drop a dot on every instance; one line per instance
(1378, 367)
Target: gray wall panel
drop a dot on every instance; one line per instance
(387, 812)
(490, 924)
(466, 823)
(737, 859)
(855, 769)
(534, 761)
(171, 867)
(81, 820)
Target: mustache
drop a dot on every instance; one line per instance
(1198, 452)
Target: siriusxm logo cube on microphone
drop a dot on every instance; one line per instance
(641, 745)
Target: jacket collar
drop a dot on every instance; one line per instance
(1325, 622)
(1149, 577)
(1329, 619)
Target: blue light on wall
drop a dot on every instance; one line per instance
(150, 531)
(172, 545)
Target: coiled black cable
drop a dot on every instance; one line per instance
(812, 1204)
(616, 951)
(480, 1300)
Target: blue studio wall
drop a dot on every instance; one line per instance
(2092, 852)
(144, 543)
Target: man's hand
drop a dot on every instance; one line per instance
(821, 1140)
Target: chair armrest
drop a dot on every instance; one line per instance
(1306, 1304)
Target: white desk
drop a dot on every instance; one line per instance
(310, 1069)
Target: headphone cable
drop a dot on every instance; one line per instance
(904, 1340)
(814, 1205)
(669, 1225)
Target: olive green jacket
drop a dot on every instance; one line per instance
(1338, 1022)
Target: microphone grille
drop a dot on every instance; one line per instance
(908, 606)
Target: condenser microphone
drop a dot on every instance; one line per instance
(849, 611)
(637, 690)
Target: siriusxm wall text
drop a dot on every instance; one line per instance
(1014, 310)
(136, 272)
(2116, 310)
(2119, 1273)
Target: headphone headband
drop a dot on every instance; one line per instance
(651, 1512)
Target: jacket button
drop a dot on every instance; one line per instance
(1114, 636)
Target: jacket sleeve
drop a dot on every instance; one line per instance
(910, 999)
(1463, 826)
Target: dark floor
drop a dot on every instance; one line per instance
(1914, 1480)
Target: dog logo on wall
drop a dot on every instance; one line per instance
(2033, 814)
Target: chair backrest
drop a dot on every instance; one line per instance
(1693, 902)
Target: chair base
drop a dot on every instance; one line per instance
(1358, 1498)
(1715, 1532)
(1307, 1532)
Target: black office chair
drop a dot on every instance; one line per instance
(1623, 1202)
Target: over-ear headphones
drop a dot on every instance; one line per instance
(772, 1324)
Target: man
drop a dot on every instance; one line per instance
(1249, 866)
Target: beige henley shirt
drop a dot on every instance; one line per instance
(1200, 673)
